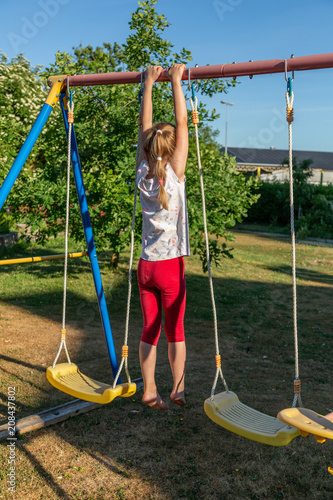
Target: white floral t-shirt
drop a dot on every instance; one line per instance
(164, 232)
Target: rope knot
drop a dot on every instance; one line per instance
(195, 117)
(124, 351)
(218, 361)
(297, 386)
(290, 115)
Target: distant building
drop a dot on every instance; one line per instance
(267, 163)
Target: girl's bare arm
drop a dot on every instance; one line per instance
(151, 75)
(179, 157)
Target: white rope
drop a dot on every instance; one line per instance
(290, 101)
(194, 107)
(125, 359)
(63, 334)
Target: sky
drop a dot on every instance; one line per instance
(216, 32)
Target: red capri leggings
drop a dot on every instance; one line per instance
(162, 283)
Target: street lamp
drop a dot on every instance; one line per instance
(226, 125)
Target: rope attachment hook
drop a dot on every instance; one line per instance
(70, 103)
(289, 94)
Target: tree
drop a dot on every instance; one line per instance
(21, 95)
(106, 129)
(228, 196)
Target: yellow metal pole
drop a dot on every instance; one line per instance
(24, 260)
(56, 83)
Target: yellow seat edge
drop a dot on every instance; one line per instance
(123, 390)
(284, 437)
(292, 417)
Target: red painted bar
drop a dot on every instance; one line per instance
(302, 63)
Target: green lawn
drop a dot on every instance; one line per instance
(126, 450)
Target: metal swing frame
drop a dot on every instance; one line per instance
(58, 85)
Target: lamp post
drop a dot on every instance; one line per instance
(226, 125)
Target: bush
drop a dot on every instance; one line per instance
(272, 206)
(6, 221)
(313, 208)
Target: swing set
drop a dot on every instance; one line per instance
(224, 408)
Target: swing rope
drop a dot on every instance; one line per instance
(66, 376)
(224, 408)
(290, 118)
(124, 360)
(195, 121)
(70, 105)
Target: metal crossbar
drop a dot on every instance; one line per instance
(303, 63)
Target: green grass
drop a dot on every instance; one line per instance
(126, 450)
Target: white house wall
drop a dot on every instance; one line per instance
(318, 177)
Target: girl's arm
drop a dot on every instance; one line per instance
(179, 157)
(151, 75)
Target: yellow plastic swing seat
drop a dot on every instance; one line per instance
(308, 422)
(68, 378)
(226, 410)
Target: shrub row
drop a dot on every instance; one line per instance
(313, 208)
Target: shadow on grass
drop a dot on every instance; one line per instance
(256, 315)
(303, 274)
(174, 450)
(60, 492)
(22, 363)
(241, 306)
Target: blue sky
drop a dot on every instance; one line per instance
(217, 32)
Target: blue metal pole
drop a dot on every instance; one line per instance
(76, 165)
(24, 152)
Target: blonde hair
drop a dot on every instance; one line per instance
(160, 141)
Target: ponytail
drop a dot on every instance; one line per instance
(161, 175)
(160, 141)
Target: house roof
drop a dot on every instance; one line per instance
(273, 158)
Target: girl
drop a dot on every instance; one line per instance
(161, 181)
